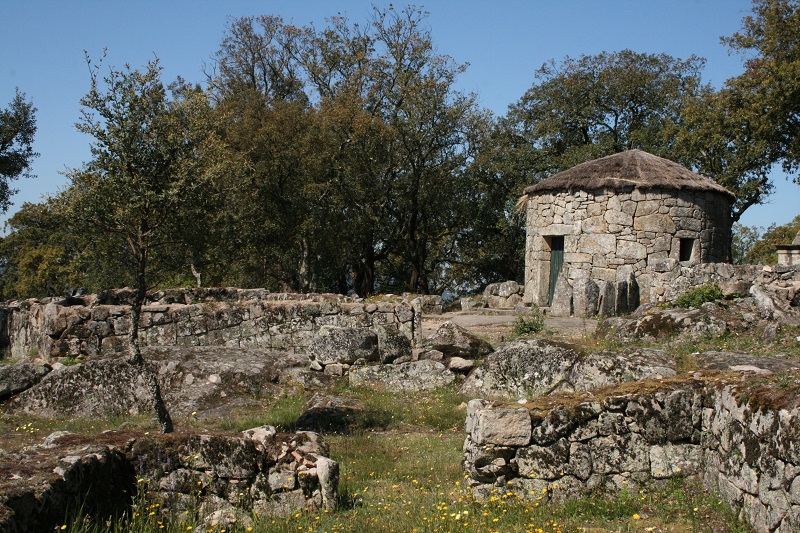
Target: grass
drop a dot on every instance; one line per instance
(393, 482)
(529, 325)
(400, 469)
(407, 478)
(697, 296)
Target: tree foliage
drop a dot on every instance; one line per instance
(354, 131)
(344, 158)
(593, 106)
(17, 129)
(768, 93)
(762, 242)
(152, 163)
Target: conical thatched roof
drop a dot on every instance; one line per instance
(630, 169)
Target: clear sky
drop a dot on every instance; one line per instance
(504, 41)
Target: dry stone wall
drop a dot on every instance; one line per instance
(99, 324)
(226, 479)
(775, 286)
(749, 451)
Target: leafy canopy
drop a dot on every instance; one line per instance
(17, 129)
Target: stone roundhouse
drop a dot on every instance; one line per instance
(611, 233)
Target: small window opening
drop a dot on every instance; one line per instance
(687, 245)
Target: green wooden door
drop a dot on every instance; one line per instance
(556, 263)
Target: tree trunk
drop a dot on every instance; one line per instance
(136, 359)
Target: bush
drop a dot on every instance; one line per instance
(528, 325)
(708, 292)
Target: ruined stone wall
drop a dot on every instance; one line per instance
(99, 324)
(606, 230)
(781, 280)
(748, 452)
(226, 479)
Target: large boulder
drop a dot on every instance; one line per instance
(406, 377)
(17, 377)
(392, 344)
(532, 368)
(206, 380)
(454, 341)
(744, 362)
(334, 344)
(522, 368)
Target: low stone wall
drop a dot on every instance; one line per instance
(99, 324)
(225, 479)
(745, 447)
(783, 280)
(585, 297)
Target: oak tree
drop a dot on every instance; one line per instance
(17, 129)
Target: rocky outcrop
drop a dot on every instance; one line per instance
(505, 295)
(205, 380)
(740, 435)
(533, 368)
(99, 324)
(454, 341)
(333, 344)
(17, 377)
(226, 478)
(413, 376)
(713, 319)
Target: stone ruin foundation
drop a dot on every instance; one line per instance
(745, 449)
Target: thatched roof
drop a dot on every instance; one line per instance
(630, 169)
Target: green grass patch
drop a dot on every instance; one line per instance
(697, 296)
(530, 324)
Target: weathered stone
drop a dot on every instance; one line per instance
(391, 343)
(207, 380)
(325, 413)
(504, 427)
(597, 243)
(333, 344)
(631, 250)
(508, 288)
(405, 377)
(17, 377)
(469, 304)
(585, 297)
(606, 302)
(454, 341)
(460, 365)
(523, 368)
(222, 475)
(655, 223)
(562, 297)
(545, 462)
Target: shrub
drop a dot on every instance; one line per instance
(708, 292)
(528, 325)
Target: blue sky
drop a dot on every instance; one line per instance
(42, 43)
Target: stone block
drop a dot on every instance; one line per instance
(562, 229)
(657, 264)
(606, 300)
(562, 297)
(657, 223)
(631, 250)
(544, 462)
(597, 243)
(502, 427)
(618, 217)
(585, 296)
(507, 288)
